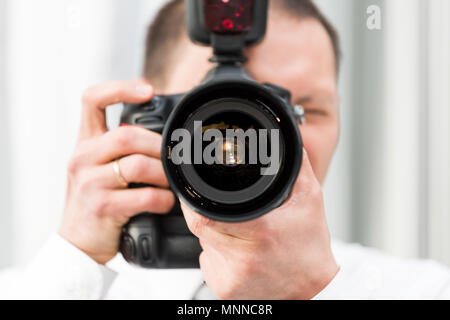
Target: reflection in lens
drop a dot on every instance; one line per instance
(233, 153)
(234, 172)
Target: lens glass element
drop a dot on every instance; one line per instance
(233, 170)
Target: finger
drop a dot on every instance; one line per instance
(226, 243)
(97, 98)
(130, 202)
(207, 229)
(134, 169)
(307, 176)
(306, 183)
(120, 143)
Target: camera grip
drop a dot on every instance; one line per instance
(152, 240)
(140, 240)
(159, 242)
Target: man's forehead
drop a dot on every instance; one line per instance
(296, 53)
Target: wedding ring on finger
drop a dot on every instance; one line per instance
(122, 181)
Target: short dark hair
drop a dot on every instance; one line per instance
(169, 26)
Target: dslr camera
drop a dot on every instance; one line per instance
(232, 148)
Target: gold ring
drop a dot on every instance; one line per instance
(123, 182)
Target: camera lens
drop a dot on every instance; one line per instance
(232, 151)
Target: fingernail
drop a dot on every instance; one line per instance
(144, 90)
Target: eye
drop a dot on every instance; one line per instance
(317, 112)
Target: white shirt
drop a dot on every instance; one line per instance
(61, 271)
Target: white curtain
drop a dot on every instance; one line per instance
(54, 49)
(389, 183)
(389, 186)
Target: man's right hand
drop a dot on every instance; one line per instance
(97, 203)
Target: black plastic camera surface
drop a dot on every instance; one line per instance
(150, 240)
(164, 241)
(227, 98)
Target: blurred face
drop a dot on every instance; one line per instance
(297, 55)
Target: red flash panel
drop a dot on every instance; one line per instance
(228, 16)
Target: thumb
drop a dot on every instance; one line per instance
(306, 183)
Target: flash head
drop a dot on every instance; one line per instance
(226, 25)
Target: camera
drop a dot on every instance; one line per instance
(232, 148)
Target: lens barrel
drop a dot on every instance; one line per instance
(242, 150)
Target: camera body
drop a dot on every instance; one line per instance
(228, 98)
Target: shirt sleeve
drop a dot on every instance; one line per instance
(59, 271)
(332, 291)
(369, 274)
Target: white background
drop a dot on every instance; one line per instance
(388, 186)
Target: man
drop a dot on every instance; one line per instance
(284, 255)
